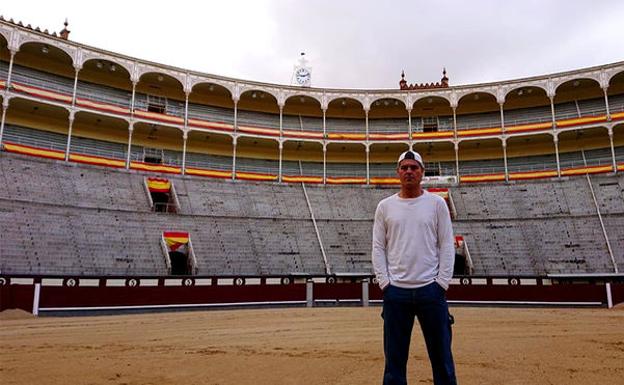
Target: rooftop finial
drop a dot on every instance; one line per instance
(444, 79)
(65, 32)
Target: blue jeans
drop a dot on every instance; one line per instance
(400, 307)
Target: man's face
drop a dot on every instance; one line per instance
(410, 172)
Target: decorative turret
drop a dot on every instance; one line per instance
(403, 82)
(444, 79)
(65, 32)
(423, 86)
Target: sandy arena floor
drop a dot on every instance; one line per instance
(306, 346)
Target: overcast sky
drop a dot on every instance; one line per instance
(349, 43)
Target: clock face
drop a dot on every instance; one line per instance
(302, 76)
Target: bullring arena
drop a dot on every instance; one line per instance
(208, 230)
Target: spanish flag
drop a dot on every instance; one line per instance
(459, 241)
(443, 192)
(160, 185)
(175, 239)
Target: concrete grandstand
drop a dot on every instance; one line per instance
(264, 181)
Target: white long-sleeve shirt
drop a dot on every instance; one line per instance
(413, 242)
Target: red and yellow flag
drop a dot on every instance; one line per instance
(443, 192)
(161, 185)
(175, 239)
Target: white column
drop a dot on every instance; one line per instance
(134, 83)
(5, 100)
(186, 111)
(281, 149)
(281, 121)
(552, 112)
(455, 136)
(505, 158)
(367, 163)
(235, 115)
(502, 117)
(130, 130)
(606, 98)
(184, 139)
(234, 140)
(409, 126)
(366, 116)
(615, 170)
(8, 82)
(324, 124)
(77, 69)
(324, 163)
(556, 141)
(456, 145)
(72, 114)
(69, 134)
(185, 133)
(5, 107)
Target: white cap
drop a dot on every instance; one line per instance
(409, 154)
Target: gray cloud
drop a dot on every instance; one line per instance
(350, 44)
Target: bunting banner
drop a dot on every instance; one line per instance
(617, 116)
(33, 151)
(479, 132)
(346, 136)
(158, 185)
(259, 130)
(529, 127)
(303, 134)
(158, 116)
(212, 125)
(155, 167)
(41, 93)
(384, 180)
(583, 120)
(209, 173)
(432, 135)
(102, 106)
(346, 180)
(482, 178)
(444, 180)
(97, 160)
(402, 136)
(443, 192)
(255, 176)
(301, 179)
(176, 239)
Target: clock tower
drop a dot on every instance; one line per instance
(302, 75)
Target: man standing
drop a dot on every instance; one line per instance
(413, 256)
